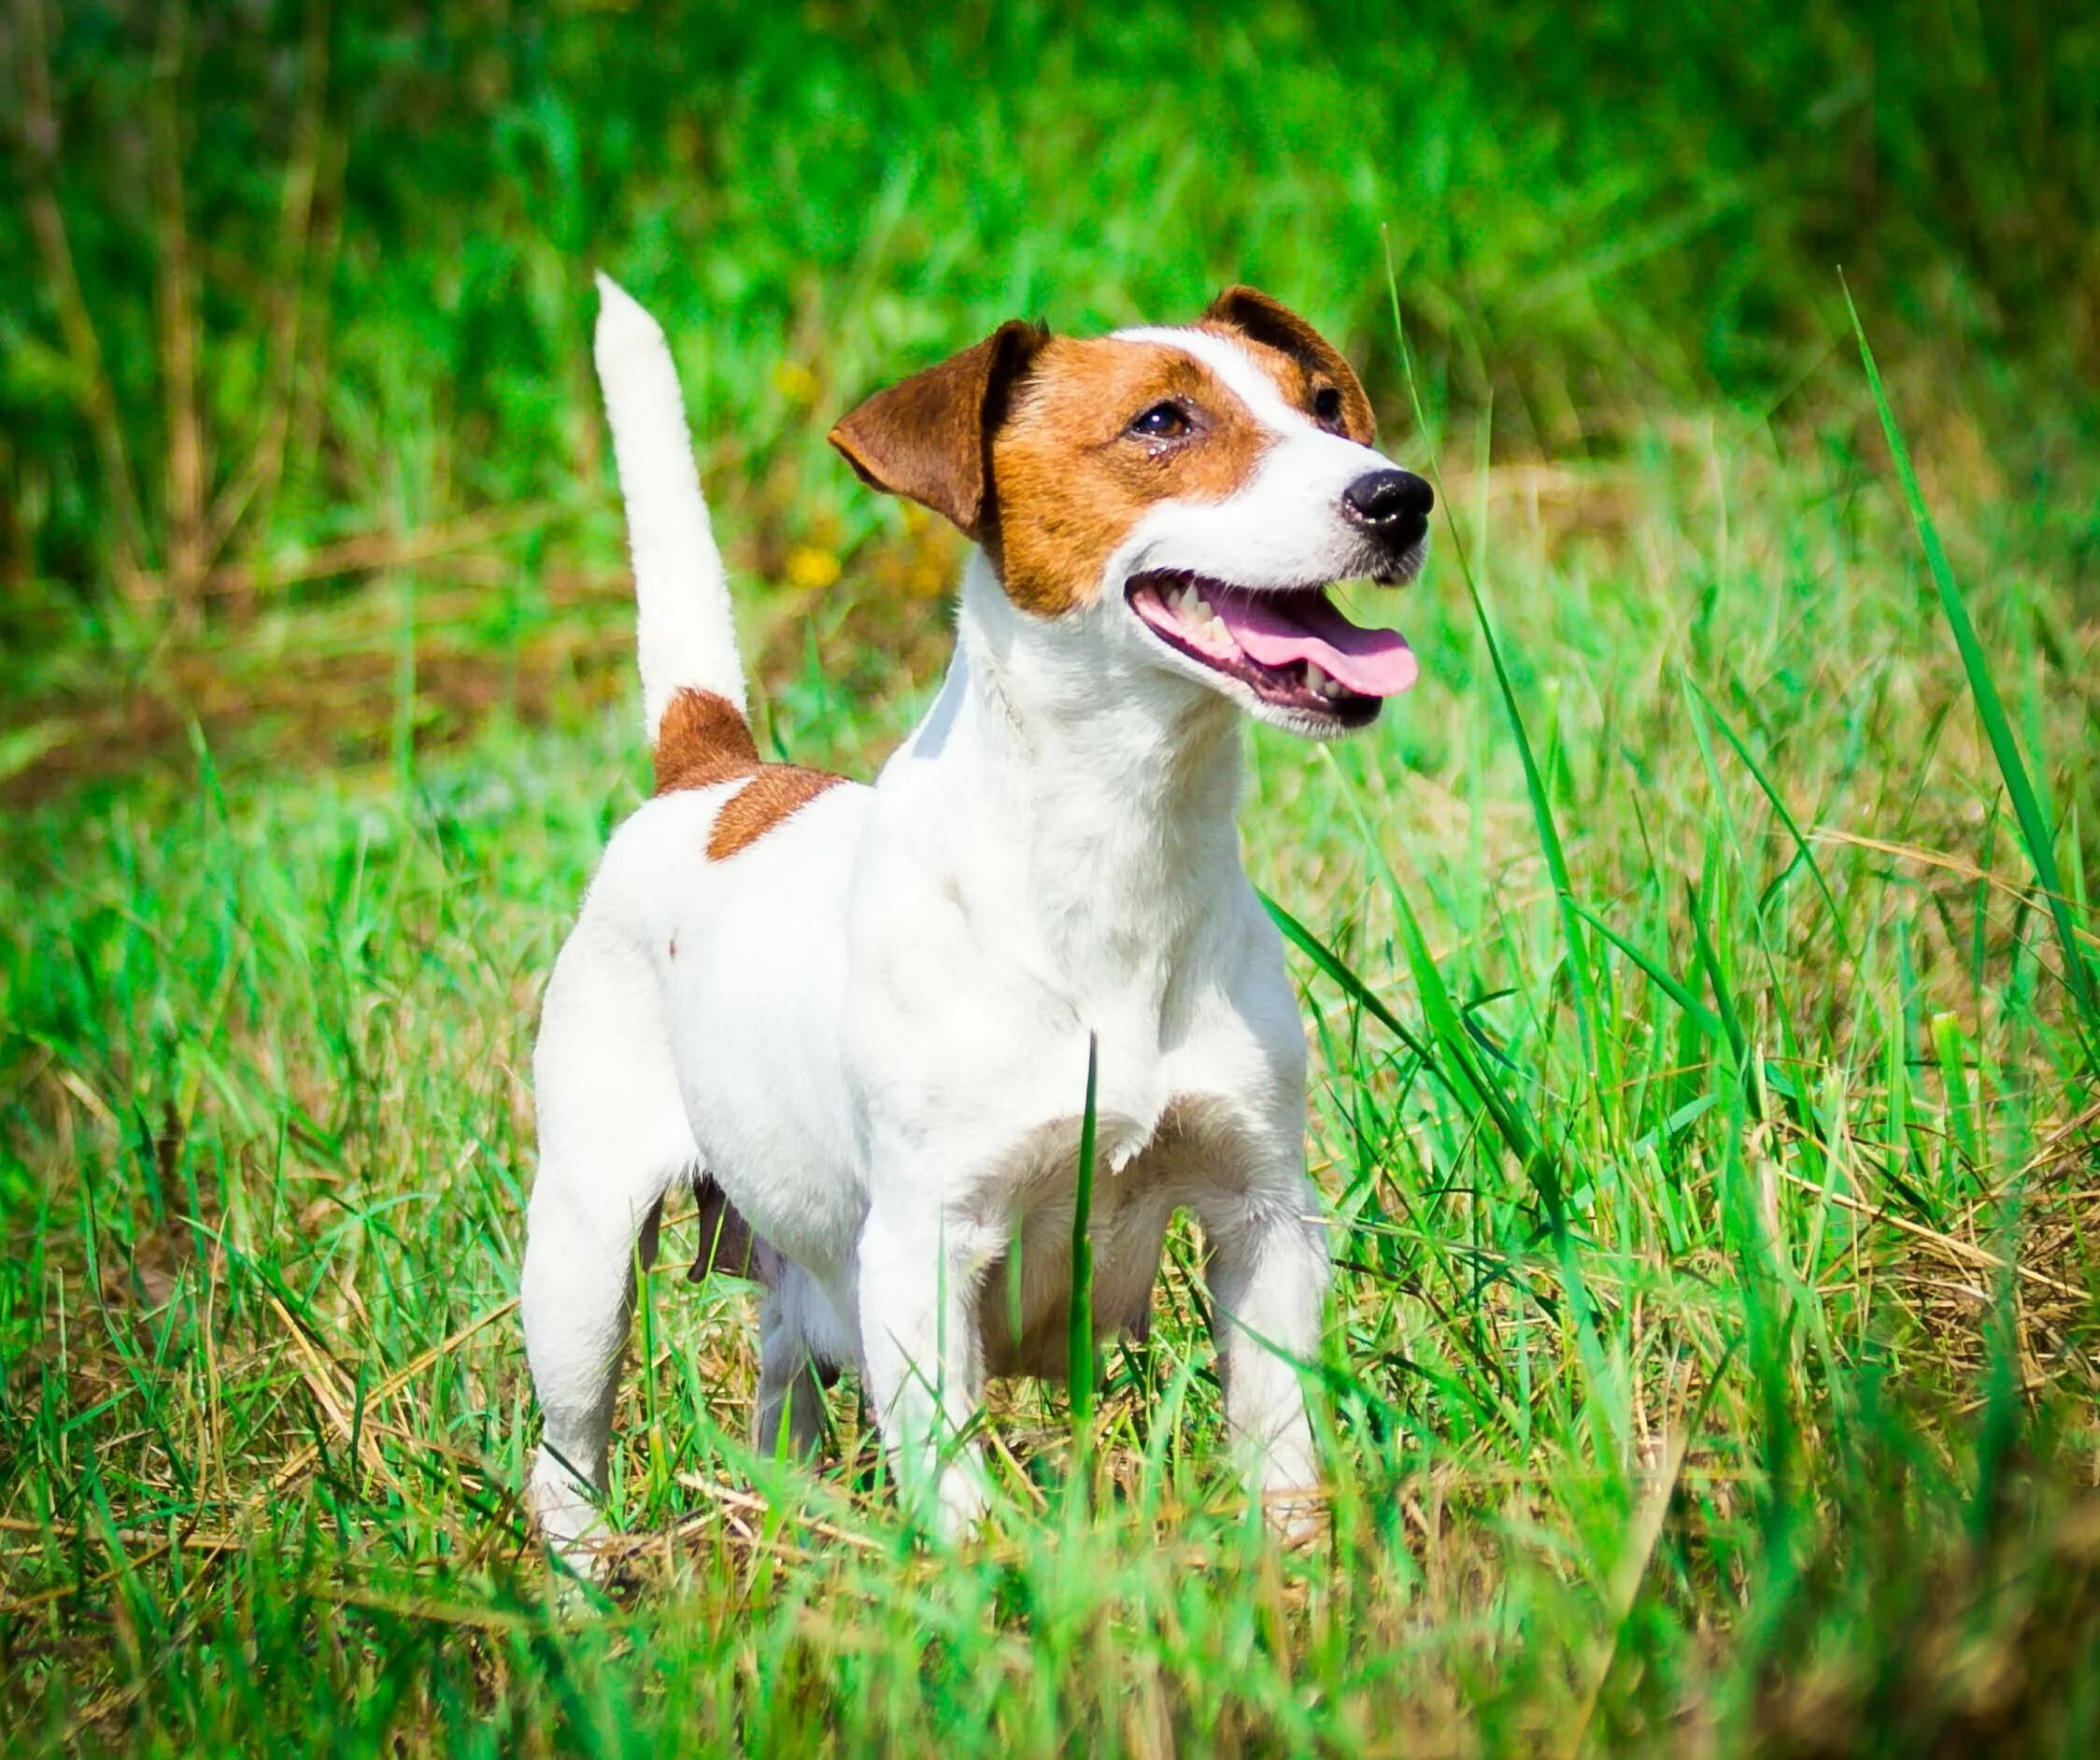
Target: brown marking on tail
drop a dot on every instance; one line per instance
(703, 740)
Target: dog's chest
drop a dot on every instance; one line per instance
(1024, 1299)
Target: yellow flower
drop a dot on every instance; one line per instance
(795, 382)
(811, 568)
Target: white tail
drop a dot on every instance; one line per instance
(684, 636)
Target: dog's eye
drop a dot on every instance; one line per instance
(1327, 406)
(1162, 422)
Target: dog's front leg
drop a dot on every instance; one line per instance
(1267, 1269)
(921, 1354)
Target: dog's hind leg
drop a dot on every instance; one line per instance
(614, 1138)
(789, 1384)
(793, 1371)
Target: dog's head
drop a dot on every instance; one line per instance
(1192, 492)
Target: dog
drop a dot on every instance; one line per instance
(858, 1019)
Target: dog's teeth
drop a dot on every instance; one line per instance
(1204, 609)
(1317, 681)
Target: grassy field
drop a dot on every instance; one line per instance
(1700, 963)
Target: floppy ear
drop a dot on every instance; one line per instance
(1254, 315)
(929, 438)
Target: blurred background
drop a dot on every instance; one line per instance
(1698, 965)
(296, 412)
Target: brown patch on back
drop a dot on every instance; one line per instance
(775, 793)
(1071, 481)
(705, 739)
(1295, 356)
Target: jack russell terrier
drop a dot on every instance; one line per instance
(855, 1020)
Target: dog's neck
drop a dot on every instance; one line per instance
(1110, 784)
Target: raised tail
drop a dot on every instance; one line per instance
(684, 636)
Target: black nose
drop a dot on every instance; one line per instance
(1392, 505)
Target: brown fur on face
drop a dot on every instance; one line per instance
(1023, 440)
(703, 740)
(1072, 479)
(1297, 357)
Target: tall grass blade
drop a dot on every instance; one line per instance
(1352, 987)
(1080, 1338)
(1803, 852)
(1709, 962)
(1459, 1065)
(1702, 1016)
(1534, 779)
(2027, 804)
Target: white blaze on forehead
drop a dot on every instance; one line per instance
(1285, 527)
(1234, 368)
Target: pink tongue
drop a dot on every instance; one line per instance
(1282, 629)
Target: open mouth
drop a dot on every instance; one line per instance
(1294, 650)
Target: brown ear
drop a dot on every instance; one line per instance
(1254, 315)
(929, 438)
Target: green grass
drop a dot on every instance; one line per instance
(1695, 963)
(1726, 1374)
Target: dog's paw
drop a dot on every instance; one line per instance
(569, 1523)
(1295, 1517)
(1294, 1502)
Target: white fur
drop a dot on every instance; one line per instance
(683, 631)
(870, 1028)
